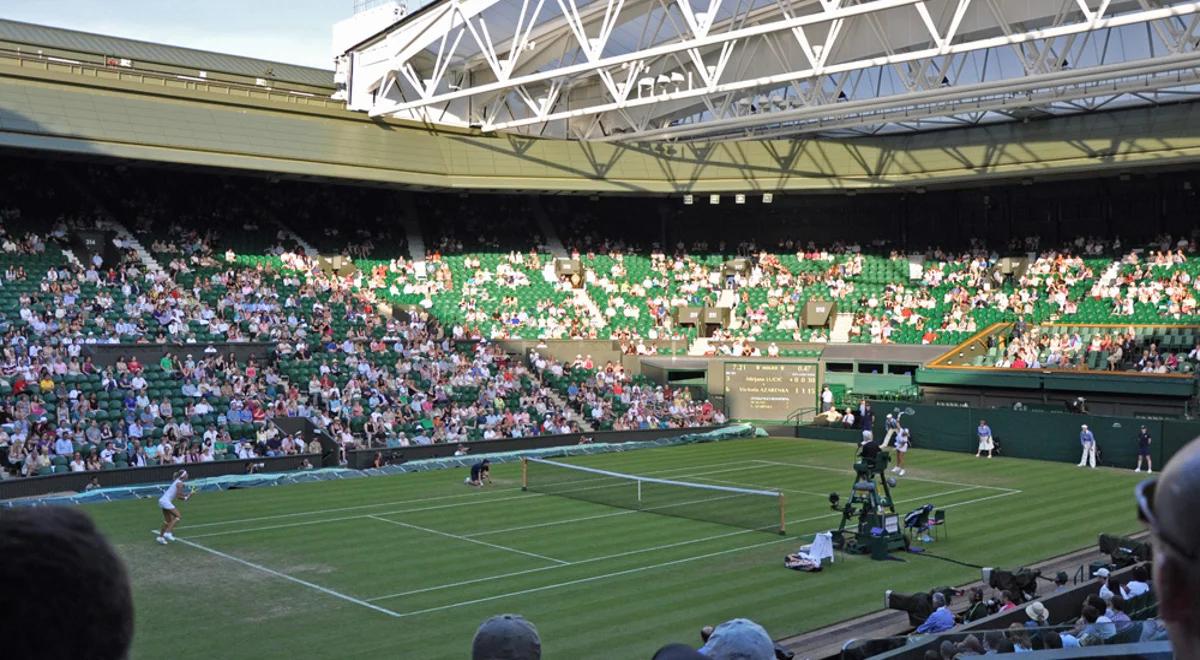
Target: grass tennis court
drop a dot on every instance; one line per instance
(409, 565)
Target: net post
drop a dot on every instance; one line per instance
(782, 514)
(524, 473)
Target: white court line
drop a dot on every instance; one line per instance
(424, 499)
(749, 485)
(667, 546)
(285, 576)
(470, 540)
(565, 521)
(552, 523)
(843, 471)
(360, 516)
(473, 502)
(592, 578)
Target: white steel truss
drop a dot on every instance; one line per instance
(705, 69)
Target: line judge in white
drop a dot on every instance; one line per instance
(171, 515)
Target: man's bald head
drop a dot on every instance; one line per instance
(1177, 578)
(1176, 494)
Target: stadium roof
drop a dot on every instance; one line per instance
(705, 69)
(42, 36)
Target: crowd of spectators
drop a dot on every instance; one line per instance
(610, 399)
(366, 380)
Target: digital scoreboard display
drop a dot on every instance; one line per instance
(757, 390)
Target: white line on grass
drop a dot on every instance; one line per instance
(285, 576)
(667, 546)
(431, 499)
(567, 521)
(360, 516)
(593, 578)
(470, 540)
(843, 471)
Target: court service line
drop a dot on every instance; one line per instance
(592, 578)
(567, 521)
(844, 471)
(424, 499)
(285, 576)
(360, 516)
(667, 546)
(469, 540)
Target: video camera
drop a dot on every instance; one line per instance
(1125, 551)
(1021, 583)
(918, 606)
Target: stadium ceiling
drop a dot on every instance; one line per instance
(633, 70)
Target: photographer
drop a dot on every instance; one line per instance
(979, 608)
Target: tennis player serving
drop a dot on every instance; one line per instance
(167, 504)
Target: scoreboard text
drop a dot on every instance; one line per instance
(755, 390)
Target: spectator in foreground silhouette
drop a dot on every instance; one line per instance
(56, 561)
(506, 637)
(1168, 508)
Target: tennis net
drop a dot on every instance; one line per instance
(737, 507)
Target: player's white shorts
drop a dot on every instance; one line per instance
(986, 444)
(902, 448)
(166, 505)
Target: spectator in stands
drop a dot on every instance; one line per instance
(976, 608)
(1097, 627)
(739, 639)
(1019, 637)
(59, 555)
(1061, 581)
(1138, 583)
(678, 652)
(506, 637)
(1117, 614)
(941, 619)
(1048, 640)
(1007, 601)
(995, 642)
(1039, 616)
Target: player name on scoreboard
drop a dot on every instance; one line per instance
(769, 390)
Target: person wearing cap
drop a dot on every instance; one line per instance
(1143, 450)
(986, 442)
(1088, 442)
(892, 425)
(739, 639)
(1060, 581)
(506, 637)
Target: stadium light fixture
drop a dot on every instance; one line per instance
(768, 198)
(739, 198)
(688, 200)
(714, 199)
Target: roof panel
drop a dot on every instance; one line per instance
(145, 51)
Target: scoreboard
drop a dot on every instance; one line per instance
(761, 390)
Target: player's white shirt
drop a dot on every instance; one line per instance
(902, 441)
(168, 496)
